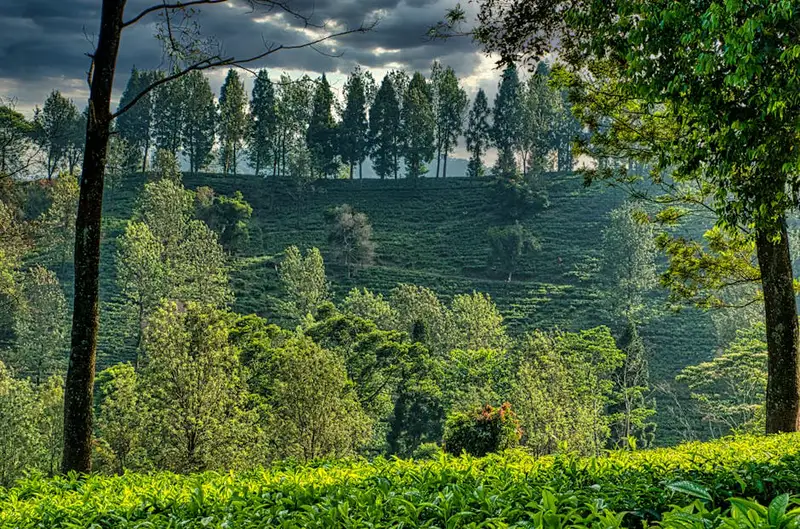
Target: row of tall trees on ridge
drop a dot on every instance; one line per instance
(297, 127)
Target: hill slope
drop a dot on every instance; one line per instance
(434, 235)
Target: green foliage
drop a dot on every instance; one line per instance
(385, 129)
(233, 121)
(304, 281)
(729, 390)
(57, 225)
(169, 114)
(166, 166)
(623, 489)
(199, 128)
(193, 389)
(120, 418)
(629, 255)
(563, 385)
(478, 135)
(482, 432)
(507, 124)
(40, 327)
(15, 140)
(55, 129)
(353, 134)
(321, 135)
(450, 109)
(419, 125)
(313, 409)
(228, 217)
(509, 245)
(135, 126)
(366, 304)
(262, 137)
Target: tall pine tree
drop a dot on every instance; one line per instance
(353, 136)
(478, 134)
(452, 105)
(232, 121)
(507, 123)
(135, 125)
(169, 115)
(263, 124)
(384, 129)
(419, 126)
(200, 120)
(321, 134)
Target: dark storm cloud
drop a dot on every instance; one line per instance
(45, 42)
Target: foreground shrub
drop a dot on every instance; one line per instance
(482, 432)
(622, 489)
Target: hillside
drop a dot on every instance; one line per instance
(434, 235)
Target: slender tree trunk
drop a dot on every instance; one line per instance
(360, 170)
(780, 308)
(438, 158)
(444, 168)
(351, 171)
(79, 388)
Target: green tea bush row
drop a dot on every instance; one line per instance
(695, 485)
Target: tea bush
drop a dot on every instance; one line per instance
(738, 482)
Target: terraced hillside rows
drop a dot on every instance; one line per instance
(434, 234)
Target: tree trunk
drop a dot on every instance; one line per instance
(351, 171)
(438, 158)
(444, 167)
(780, 308)
(79, 388)
(360, 171)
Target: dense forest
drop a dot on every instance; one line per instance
(229, 339)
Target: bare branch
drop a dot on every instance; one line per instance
(217, 62)
(165, 6)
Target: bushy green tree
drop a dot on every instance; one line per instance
(507, 123)
(729, 390)
(121, 416)
(629, 261)
(474, 322)
(40, 327)
(15, 140)
(57, 224)
(166, 166)
(20, 443)
(315, 410)
(509, 245)
(169, 114)
(450, 108)
(194, 390)
(304, 281)
(540, 104)
(564, 383)
(370, 306)
(228, 217)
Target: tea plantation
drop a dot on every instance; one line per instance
(434, 234)
(734, 483)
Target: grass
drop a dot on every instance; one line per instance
(698, 485)
(432, 234)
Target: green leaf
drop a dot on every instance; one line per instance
(690, 489)
(777, 509)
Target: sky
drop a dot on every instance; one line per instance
(45, 43)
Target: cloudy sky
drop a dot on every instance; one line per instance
(44, 42)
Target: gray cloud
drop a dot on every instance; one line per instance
(45, 42)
